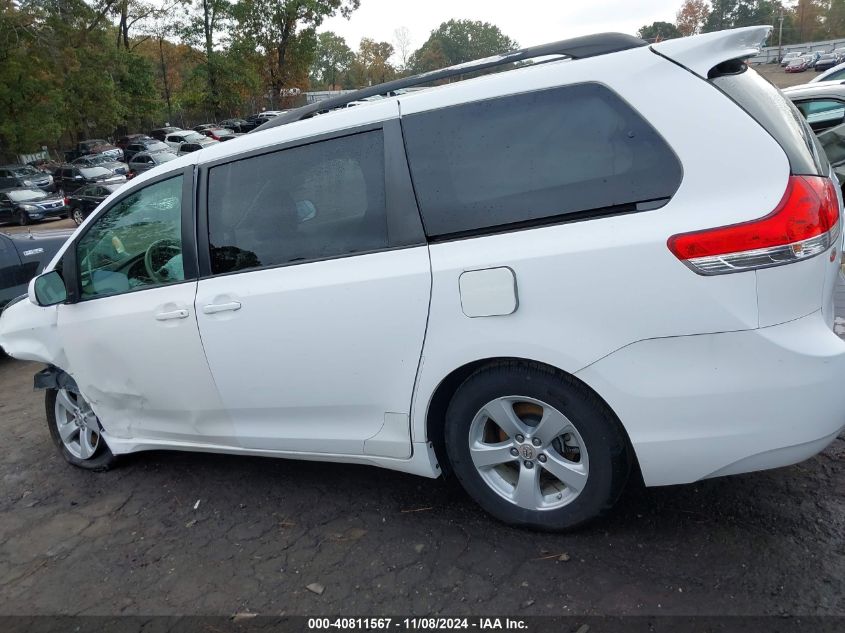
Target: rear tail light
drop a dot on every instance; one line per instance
(804, 224)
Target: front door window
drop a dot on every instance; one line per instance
(137, 244)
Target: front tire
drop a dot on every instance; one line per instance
(23, 218)
(76, 431)
(535, 447)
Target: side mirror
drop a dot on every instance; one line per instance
(48, 289)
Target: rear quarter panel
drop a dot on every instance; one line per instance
(589, 288)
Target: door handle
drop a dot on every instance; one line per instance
(214, 308)
(169, 316)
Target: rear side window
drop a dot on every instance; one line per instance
(542, 156)
(316, 201)
(779, 117)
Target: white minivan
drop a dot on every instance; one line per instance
(620, 258)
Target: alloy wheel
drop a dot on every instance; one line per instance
(78, 427)
(529, 453)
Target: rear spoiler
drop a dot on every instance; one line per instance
(701, 53)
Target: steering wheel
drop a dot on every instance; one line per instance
(158, 251)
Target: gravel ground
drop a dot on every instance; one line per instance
(782, 79)
(134, 540)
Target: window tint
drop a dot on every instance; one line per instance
(136, 244)
(316, 201)
(822, 113)
(776, 114)
(535, 156)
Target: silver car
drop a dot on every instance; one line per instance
(144, 161)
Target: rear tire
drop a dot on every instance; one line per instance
(77, 215)
(536, 448)
(76, 431)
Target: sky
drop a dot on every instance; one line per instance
(529, 22)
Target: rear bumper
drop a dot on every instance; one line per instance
(719, 404)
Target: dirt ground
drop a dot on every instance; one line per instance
(134, 540)
(782, 79)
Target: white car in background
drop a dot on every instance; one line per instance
(539, 280)
(788, 57)
(174, 140)
(837, 73)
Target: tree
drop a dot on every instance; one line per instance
(691, 17)
(130, 13)
(722, 15)
(835, 22)
(402, 40)
(284, 31)
(659, 31)
(460, 41)
(809, 20)
(755, 12)
(205, 27)
(333, 58)
(372, 63)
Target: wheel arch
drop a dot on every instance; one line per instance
(53, 377)
(445, 390)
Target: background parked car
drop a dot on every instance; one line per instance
(784, 61)
(837, 73)
(822, 104)
(238, 125)
(26, 205)
(85, 199)
(218, 133)
(124, 141)
(25, 176)
(800, 64)
(145, 145)
(100, 160)
(45, 166)
(161, 132)
(94, 146)
(204, 126)
(69, 178)
(187, 148)
(23, 256)
(176, 139)
(144, 161)
(828, 60)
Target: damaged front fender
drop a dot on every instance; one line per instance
(30, 332)
(54, 378)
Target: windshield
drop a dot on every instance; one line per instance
(26, 171)
(194, 137)
(25, 195)
(92, 160)
(94, 172)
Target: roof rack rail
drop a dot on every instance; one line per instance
(575, 48)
